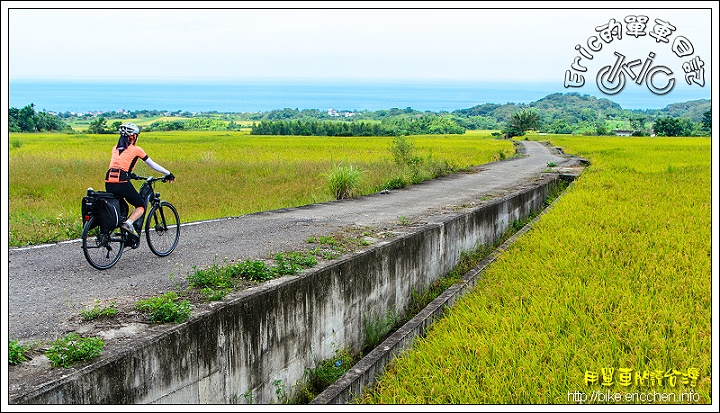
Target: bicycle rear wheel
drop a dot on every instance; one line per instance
(102, 251)
(162, 228)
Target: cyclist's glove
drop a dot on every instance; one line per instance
(133, 176)
(170, 177)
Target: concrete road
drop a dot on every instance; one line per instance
(48, 285)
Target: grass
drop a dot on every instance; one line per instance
(98, 311)
(321, 376)
(166, 308)
(72, 348)
(377, 327)
(219, 174)
(16, 352)
(344, 181)
(216, 281)
(615, 278)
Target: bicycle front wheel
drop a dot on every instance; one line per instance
(162, 228)
(102, 251)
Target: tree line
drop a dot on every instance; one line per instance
(395, 126)
(28, 120)
(556, 113)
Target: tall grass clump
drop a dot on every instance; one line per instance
(609, 292)
(344, 181)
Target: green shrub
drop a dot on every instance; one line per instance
(16, 352)
(395, 183)
(215, 282)
(97, 311)
(403, 151)
(253, 270)
(293, 262)
(72, 348)
(165, 308)
(322, 376)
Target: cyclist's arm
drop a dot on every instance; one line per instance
(156, 167)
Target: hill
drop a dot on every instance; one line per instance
(576, 113)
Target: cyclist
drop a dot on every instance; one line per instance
(117, 179)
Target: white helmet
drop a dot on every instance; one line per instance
(127, 129)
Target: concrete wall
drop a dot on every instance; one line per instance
(262, 340)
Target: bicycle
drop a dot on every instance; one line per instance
(161, 222)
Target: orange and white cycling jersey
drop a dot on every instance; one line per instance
(122, 163)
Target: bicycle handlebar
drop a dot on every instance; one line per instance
(147, 178)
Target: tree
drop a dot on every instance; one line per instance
(27, 120)
(115, 126)
(522, 121)
(525, 120)
(637, 122)
(667, 126)
(402, 150)
(707, 120)
(560, 126)
(97, 126)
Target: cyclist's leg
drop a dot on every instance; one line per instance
(127, 191)
(137, 213)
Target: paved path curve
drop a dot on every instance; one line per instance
(49, 284)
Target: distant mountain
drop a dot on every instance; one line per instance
(574, 108)
(693, 109)
(559, 100)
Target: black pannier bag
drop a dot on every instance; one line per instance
(105, 207)
(146, 193)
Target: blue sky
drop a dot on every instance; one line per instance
(232, 40)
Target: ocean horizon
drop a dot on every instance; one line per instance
(234, 96)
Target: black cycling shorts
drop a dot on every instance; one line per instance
(127, 191)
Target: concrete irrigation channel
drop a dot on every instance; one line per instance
(271, 333)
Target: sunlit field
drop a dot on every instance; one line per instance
(610, 293)
(219, 173)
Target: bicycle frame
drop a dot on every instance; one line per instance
(160, 221)
(151, 198)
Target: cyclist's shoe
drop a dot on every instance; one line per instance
(130, 229)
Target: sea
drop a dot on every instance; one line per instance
(241, 96)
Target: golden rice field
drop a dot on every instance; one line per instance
(219, 174)
(606, 300)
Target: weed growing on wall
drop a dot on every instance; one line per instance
(98, 311)
(73, 348)
(16, 352)
(166, 308)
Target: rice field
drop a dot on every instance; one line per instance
(607, 300)
(219, 173)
